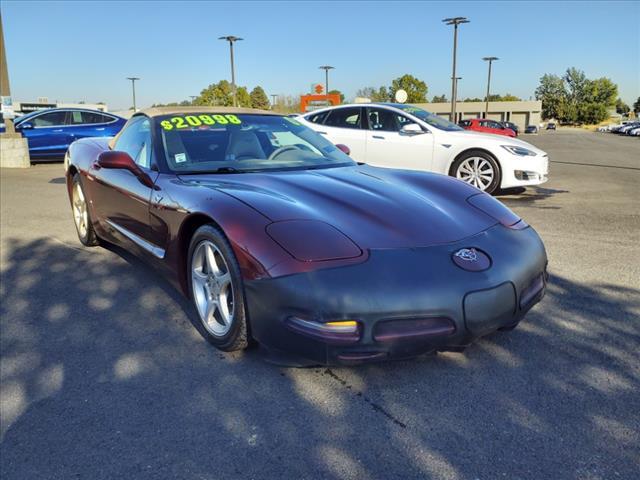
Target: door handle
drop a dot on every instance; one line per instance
(99, 129)
(57, 131)
(378, 137)
(322, 133)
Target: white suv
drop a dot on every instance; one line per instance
(403, 136)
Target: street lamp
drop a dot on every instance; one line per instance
(133, 87)
(231, 39)
(486, 107)
(192, 97)
(326, 69)
(455, 21)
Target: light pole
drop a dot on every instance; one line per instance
(486, 107)
(133, 87)
(456, 85)
(274, 98)
(5, 91)
(326, 69)
(455, 21)
(192, 97)
(231, 39)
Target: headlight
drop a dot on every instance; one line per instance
(312, 240)
(521, 151)
(496, 209)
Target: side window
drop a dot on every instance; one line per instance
(495, 125)
(349, 117)
(51, 119)
(136, 141)
(383, 120)
(75, 117)
(94, 117)
(317, 117)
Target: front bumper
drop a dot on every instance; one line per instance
(393, 289)
(524, 171)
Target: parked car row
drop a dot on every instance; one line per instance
(627, 128)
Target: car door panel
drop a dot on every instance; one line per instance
(121, 199)
(388, 147)
(344, 126)
(49, 135)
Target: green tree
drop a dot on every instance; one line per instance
(259, 98)
(621, 107)
(553, 94)
(439, 99)
(592, 112)
(338, 92)
(576, 83)
(416, 89)
(243, 97)
(601, 90)
(216, 94)
(382, 95)
(510, 98)
(221, 94)
(366, 92)
(636, 106)
(474, 99)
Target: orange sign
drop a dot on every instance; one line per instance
(318, 88)
(318, 101)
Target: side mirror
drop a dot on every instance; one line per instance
(25, 126)
(112, 159)
(411, 129)
(344, 148)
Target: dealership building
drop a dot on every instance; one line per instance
(44, 103)
(521, 113)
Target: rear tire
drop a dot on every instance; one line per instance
(81, 216)
(216, 290)
(479, 169)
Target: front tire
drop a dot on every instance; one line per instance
(216, 289)
(81, 217)
(479, 169)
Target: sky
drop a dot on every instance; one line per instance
(82, 51)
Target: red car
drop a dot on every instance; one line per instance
(486, 126)
(276, 235)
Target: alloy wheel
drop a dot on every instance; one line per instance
(476, 171)
(212, 288)
(80, 215)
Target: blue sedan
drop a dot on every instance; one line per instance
(50, 132)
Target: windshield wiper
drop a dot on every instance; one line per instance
(221, 170)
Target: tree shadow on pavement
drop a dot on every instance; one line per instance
(103, 376)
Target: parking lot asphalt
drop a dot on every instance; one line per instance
(104, 376)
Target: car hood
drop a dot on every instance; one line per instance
(490, 139)
(375, 207)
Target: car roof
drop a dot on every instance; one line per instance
(64, 109)
(160, 111)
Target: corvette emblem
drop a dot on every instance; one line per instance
(467, 254)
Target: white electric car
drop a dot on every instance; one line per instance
(403, 136)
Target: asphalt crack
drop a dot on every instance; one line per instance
(375, 406)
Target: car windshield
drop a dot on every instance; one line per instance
(430, 118)
(229, 143)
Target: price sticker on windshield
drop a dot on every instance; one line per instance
(194, 121)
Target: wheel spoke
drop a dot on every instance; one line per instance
(212, 307)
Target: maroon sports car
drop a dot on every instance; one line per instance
(277, 235)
